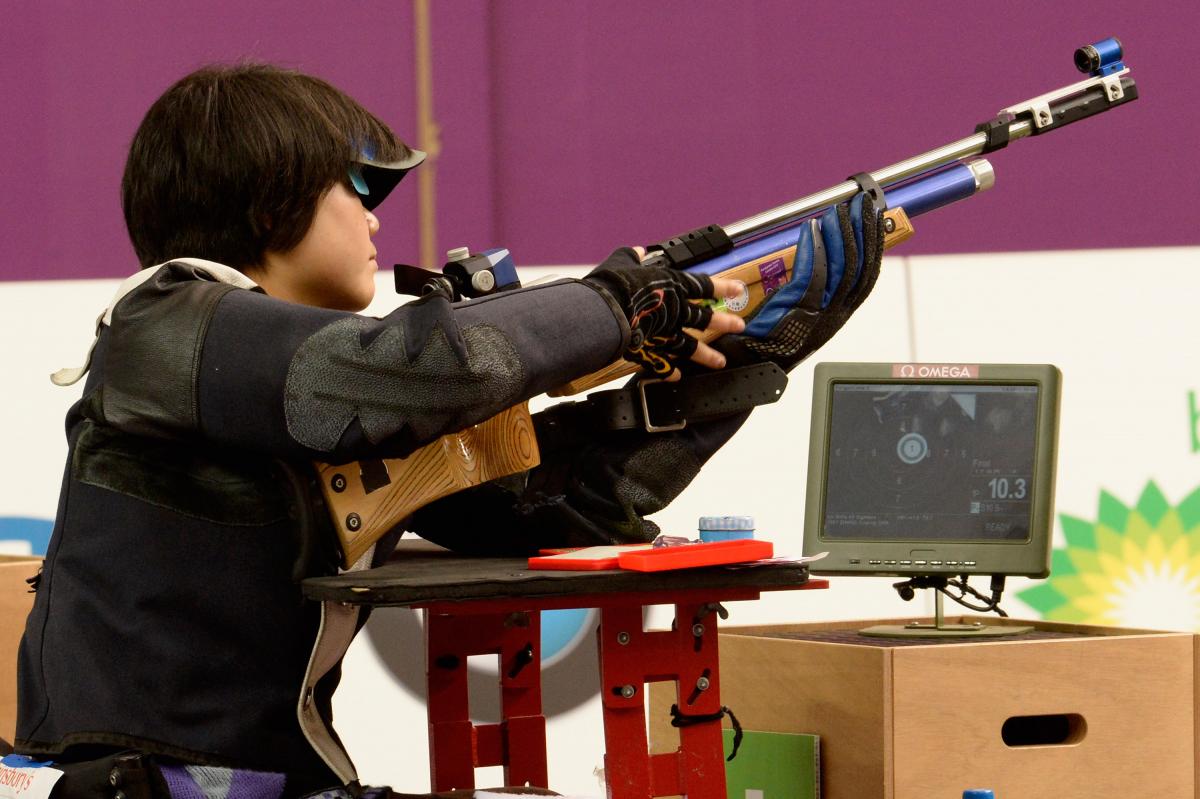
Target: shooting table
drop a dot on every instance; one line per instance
(480, 606)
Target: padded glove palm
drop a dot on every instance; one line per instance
(837, 264)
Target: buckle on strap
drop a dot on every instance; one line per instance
(646, 423)
(673, 405)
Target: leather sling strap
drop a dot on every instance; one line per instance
(659, 406)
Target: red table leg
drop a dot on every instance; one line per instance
(456, 745)
(630, 658)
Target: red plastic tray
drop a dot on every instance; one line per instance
(688, 556)
(585, 559)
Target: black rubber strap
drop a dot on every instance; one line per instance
(692, 399)
(681, 719)
(871, 186)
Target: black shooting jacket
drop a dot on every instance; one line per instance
(169, 616)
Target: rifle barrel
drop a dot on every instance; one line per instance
(780, 216)
(1106, 87)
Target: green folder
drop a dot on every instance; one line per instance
(773, 765)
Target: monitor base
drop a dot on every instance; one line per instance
(940, 629)
(943, 631)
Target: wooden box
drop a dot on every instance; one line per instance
(1113, 709)
(15, 602)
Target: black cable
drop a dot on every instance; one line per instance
(991, 604)
(962, 601)
(940, 583)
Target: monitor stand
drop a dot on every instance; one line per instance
(940, 629)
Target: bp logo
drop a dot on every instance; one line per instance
(1133, 566)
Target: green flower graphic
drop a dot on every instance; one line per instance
(1133, 567)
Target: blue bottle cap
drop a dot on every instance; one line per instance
(726, 528)
(726, 522)
(978, 793)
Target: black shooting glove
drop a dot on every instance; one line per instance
(837, 264)
(654, 302)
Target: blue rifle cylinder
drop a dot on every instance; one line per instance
(917, 196)
(940, 188)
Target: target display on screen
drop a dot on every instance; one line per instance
(933, 462)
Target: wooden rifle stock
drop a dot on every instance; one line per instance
(368, 498)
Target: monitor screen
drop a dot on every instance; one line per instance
(937, 474)
(930, 462)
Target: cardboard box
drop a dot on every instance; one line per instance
(15, 603)
(1114, 709)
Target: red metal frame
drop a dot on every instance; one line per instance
(456, 745)
(630, 657)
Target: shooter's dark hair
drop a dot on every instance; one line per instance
(231, 161)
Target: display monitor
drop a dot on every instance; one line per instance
(932, 469)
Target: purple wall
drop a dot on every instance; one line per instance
(571, 127)
(77, 78)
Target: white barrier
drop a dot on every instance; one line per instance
(1121, 324)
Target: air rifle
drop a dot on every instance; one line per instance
(368, 498)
